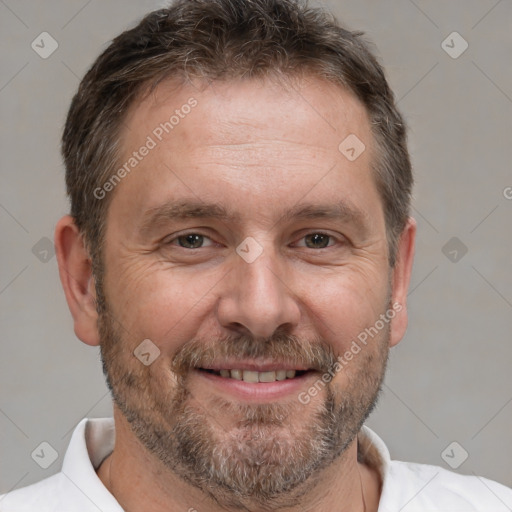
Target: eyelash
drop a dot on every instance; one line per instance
(175, 239)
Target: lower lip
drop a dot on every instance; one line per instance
(257, 391)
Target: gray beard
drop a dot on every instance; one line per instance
(263, 460)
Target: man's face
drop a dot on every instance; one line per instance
(245, 240)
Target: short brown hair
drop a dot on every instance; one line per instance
(219, 40)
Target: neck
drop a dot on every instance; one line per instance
(138, 482)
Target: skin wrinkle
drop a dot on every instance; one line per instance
(183, 437)
(268, 113)
(184, 209)
(192, 440)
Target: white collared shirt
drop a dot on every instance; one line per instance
(407, 487)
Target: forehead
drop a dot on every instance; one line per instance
(257, 138)
(257, 107)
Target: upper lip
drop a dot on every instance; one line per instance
(253, 366)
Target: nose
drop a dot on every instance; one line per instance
(257, 298)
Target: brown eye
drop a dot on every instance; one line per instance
(317, 240)
(191, 241)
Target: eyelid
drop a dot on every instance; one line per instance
(168, 240)
(340, 239)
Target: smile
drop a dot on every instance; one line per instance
(256, 376)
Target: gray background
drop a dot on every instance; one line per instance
(449, 380)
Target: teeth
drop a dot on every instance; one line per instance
(252, 376)
(235, 374)
(267, 376)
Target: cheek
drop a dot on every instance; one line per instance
(346, 303)
(153, 300)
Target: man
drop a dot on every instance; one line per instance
(240, 247)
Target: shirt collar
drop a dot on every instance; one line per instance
(372, 451)
(93, 440)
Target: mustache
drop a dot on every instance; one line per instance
(314, 354)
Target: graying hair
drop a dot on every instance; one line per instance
(222, 40)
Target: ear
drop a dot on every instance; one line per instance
(401, 276)
(75, 270)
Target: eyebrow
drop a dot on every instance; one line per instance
(183, 209)
(341, 211)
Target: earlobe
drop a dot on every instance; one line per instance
(401, 277)
(75, 272)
